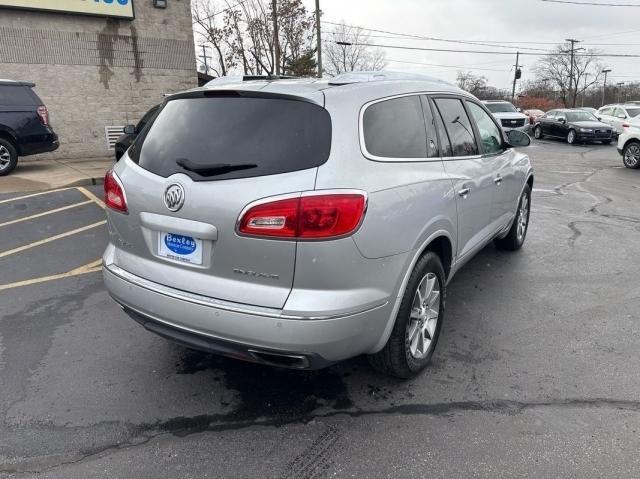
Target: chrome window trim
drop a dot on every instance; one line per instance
(384, 159)
(221, 304)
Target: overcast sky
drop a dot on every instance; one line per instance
(491, 21)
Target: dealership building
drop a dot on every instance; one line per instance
(97, 64)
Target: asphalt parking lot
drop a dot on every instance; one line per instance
(535, 373)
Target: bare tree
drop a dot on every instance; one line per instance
(474, 84)
(212, 29)
(556, 69)
(352, 54)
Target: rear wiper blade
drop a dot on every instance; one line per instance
(213, 169)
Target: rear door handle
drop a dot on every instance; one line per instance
(464, 192)
(497, 180)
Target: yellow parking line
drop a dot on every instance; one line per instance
(91, 196)
(45, 213)
(17, 198)
(51, 238)
(87, 268)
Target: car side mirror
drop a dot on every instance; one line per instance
(130, 129)
(518, 138)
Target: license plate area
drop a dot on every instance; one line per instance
(180, 248)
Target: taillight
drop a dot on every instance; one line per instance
(625, 125)
(114, 196)
(43, 113)
(314, 216)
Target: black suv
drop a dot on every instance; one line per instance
(24, 124)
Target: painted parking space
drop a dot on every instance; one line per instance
(50, 235)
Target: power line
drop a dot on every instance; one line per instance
(593, 4)
(490, 52)
(230, 7)
(446, 66)
(421, 37)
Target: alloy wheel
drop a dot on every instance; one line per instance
(5, 157)
(425, 313)
(632, 156)
(571, 137)
(523, 217)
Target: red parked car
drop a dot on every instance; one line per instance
(533, 115)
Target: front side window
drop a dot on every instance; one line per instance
(606, 111)
(489, 132)
(458, 126)
(551, 115)
(395, 128)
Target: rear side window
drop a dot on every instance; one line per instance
(220, 138)
(17, 95)
(458, 126)
(395, 128)
(551, 115)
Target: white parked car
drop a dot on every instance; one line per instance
(629, 147)
(620, 116)
(507, 115)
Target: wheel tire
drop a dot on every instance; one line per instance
(631, 155)
(8, 157)
(514, 239)
(572, 137)
(396, 358)
(537, 133)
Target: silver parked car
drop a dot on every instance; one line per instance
(298, 223)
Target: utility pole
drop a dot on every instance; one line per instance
(604, 87)
(584, 92)
(205, 57)
(276, 41)
(516, 76)
(319, 39)
(620, 85)
(573, 42)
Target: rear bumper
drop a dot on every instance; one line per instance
(44, 144)
(246, 332)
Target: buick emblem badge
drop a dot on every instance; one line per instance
(174, 197)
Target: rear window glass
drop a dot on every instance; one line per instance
(395, 128)
(234, 137)
(15, 96)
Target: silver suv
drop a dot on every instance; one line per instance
(298, 223)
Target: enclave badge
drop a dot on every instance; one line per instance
(174, 197)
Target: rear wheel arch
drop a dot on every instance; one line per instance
(439, 243)
(5, 135)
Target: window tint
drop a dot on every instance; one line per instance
(395, 128)
(458, 126)
(445, 143)
(18, 95)
(432, 135)
(489, 132)
(260, 136)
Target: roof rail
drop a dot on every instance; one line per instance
(383, 75)
(242, 78)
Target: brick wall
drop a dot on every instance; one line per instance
(93, 72)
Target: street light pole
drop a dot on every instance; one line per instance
(620, 85)
(604, 87)
(319, 39)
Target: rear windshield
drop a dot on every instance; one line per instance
(500, 107)
(17, 95)
(237, 137)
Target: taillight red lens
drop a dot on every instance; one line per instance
(306, 217)
(114, 193)
(43, 113)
